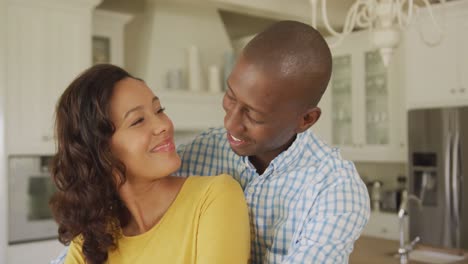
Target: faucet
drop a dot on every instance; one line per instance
(405, 249)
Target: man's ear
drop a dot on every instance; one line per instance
(308, 119)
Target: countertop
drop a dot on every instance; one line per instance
(370, 250)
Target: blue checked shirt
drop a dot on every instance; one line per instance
(309, 206)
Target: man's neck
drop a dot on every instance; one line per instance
(262, 161)
(259, 164)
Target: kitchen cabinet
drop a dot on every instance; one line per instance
(361, 105)
(437, 76)
(192, 111)
(385, 225)
(48, 46)
(108, 36)
(34, 252)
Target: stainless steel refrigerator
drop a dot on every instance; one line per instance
(438, 176)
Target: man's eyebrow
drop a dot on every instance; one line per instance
(136, 108)
(248, 106)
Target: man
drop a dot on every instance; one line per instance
(307, 204)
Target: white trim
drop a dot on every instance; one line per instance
(105, 16)
(3, 157)
(76, 4)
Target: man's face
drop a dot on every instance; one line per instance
(262, 117)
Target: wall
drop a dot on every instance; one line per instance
(3, 178)
(157, 39)
(239, 43)
(37, 252)
(241, 25)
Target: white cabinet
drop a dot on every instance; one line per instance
(385, 225)
(108, 29)
(34, 252)
(361, 106)
(48, 46)
(437, 76)
(192, 111)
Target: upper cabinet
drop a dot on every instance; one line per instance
(437, 76)
(48, 46)
(108, 37)
(360, 106)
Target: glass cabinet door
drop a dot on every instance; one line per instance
(376, 104)
(341, 88)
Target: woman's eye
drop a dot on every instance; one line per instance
(138, 121)
(160, 110)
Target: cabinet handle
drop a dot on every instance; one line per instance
(452, 91)
(462, 90)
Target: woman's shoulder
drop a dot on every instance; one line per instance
(214, 184)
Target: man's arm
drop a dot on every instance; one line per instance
(333, 224)
(61, 257)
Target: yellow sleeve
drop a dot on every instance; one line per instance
(224, 231)
(74, 254)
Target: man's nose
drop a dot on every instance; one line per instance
(233, 120)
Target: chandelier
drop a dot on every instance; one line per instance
(384, 18)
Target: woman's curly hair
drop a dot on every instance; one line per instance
(83, 169)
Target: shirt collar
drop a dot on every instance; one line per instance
(306, 143)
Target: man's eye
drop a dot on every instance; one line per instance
(138, 121)
(254, 120)
(230, 97)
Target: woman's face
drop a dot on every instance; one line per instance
(144, 134)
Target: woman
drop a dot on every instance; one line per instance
(116, 201)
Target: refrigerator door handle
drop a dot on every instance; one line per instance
(447, 234)
(455, 180)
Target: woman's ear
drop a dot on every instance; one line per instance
(308, 119)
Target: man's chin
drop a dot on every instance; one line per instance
(241, 152)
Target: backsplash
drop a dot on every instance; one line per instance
(387, 173)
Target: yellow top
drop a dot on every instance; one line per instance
(207, 223)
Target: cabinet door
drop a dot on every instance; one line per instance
(431, 71)
(376, 113)
(462, 22)
(342, 100)
(47, 48)
(365, 97)
(383, 117)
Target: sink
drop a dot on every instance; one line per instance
(428, 256)
(431, 257)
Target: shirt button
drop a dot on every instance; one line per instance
(250, 190)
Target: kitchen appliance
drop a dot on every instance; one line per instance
(392, 198)
(438, 176)
(29, 190)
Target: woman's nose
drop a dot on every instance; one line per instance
(160, 124)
